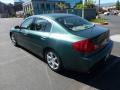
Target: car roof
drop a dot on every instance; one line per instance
(54, 16)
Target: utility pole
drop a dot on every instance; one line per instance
(99, 10)
(99, 5)
(119, 4)
(83, 10)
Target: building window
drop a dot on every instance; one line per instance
(48, 6)
(43, 6)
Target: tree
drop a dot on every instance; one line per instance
(90, 3)
(62, 5)
(118, 5)
(79, 6)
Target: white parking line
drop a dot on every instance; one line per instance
(115, 38)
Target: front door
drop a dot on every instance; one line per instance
(38, 36)
(22, 36)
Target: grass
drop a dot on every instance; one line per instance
(99, 20)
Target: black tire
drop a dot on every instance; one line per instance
(13, 39)
(57, 61)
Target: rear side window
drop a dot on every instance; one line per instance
(42, 25)
(74, 23)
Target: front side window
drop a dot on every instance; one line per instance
(74, 23)
(27, 23)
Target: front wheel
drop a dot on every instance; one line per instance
(53, 61)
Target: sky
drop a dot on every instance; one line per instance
(7, 1)
(102, 1)
(106, 1)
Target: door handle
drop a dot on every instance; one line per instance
(25, 33)
(43, 38)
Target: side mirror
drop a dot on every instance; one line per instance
(17, 27)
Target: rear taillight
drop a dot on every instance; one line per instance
(85, 46)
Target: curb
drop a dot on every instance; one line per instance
(105, 23)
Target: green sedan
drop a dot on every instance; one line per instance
(65, 41)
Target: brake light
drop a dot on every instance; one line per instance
(85, 46)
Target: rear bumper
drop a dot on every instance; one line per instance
(84, 64)
(101, 55)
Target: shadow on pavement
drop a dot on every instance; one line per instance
(106, 77)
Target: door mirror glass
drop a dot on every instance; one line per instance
(17, 27)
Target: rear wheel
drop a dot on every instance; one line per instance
(13, 39)
(53, 61)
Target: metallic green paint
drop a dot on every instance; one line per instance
(60, 40)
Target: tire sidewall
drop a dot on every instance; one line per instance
(60, 63)
(14, 43)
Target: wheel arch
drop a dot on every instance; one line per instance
(52, 49)
(11, 33)
(47, 49)
(60, 60)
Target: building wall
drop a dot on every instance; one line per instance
(89, 13)
(73, 2)
(49, 6)
(6, 10)
(28, 8)
(44, 7)
(18, 6)
(40, 6)
(3, 11)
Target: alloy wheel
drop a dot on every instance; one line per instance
(53, 61)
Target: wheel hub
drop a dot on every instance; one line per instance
(52, 60)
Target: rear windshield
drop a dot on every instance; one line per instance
(74, 23)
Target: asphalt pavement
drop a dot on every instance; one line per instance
(22, 70)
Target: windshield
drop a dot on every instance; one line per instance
(74, 23)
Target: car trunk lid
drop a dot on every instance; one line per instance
(96, 34)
